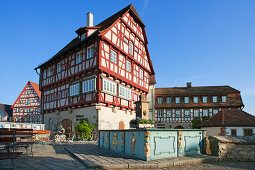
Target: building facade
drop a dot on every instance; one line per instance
(230, 122)
(5, 113)
(99, 75)
(26, 108)
(175, 107)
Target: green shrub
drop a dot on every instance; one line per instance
(85, 129)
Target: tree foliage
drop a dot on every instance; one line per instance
(197, 122)
(85, 129)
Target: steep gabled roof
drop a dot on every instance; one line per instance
(76, 42)
(196, 90)
(35, 87)
(230, 117)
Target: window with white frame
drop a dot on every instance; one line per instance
(177, 113)
(186, 113)
(88, 85)
(204, 99)
(49, 72)
(195, 99)
(128, 66)
(113, 57)
(186, 100)
(131, 47)
(44, 74)
(224, 99)
(168, 100)
(160, 113)
(58, 67)
(160, 100)
(168, 113)
(75, 89)
(124, 92)
(78, 57)
(141, 74)
(177, 100)
(136, 49)
(90, 52)
(196, 113)
(109, 86)
(214, 99)
(205, 112)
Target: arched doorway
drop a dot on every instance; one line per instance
(67, 125)
(179, 127)
(121, 125)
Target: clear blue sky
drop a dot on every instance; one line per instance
(205, 42)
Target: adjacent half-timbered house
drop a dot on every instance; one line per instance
(26, 108)
(99, 75)
(175, 107)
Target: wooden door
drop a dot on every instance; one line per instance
(67, 125)
(121, 125)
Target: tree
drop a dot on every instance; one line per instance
(85, 129)
(197, 122)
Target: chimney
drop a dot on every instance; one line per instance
(188, 84)
(89, 19)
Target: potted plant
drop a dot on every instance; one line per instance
(141, 123)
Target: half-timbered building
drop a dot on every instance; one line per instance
(175, 107)
(99, 75)
(26, 108)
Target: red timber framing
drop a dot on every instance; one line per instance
(26, 108)
(131, 68)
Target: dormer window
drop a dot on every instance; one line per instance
(83, 36)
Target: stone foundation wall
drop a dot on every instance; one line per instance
(233, 148)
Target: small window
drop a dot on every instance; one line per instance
(233, 132)
(215, 111)
(78, 57)
(186, 100)
(204, 99)
(90, 52)
(224, 99)
(44, 74)
(125, 40)
(196, 113)
(88, 85)
(128, 66)
(195, 99)
(177, 100)
(214, 99)
(83, 36)
(141, 74)
(160, 100)
(177, 113)
(168, 100)
(247, 132)
(125, 92)
(131, 47)
(109, 86)
(49, 72)
(136, 49)
(58, 67)
(160, 113)
(186, 113)
(113, 57)
(75, 89)
(168, 113)
(205, 112)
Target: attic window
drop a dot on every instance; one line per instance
(83, 36)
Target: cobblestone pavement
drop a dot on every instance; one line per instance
(57, 157)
